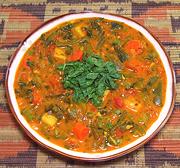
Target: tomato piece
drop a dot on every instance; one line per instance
(118, 102)
(80, 131)
(118, 133)
(77, 55)
(134, 46)
(37, 98)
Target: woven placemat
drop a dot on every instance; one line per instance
(19, 17)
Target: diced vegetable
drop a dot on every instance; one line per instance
(77, 56)
(59, 53)
(81, 131)
(134, 47)
(118, 133)
(49, 119)
(78, 29)
(135, 65)
(118, 102)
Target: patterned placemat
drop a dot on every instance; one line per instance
(19, 17)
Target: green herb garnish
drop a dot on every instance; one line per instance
(90, 78)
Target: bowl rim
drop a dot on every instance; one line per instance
(113, 156)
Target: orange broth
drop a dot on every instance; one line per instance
(124, 113)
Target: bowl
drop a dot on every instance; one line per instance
(152, 131)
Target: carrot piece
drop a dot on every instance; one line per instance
(118, 133)
(77, 55)
(80, 131)
(134, 45)
(118, 102)
(37, 98)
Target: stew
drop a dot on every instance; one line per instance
(91, 85)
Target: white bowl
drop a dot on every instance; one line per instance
(157, 125)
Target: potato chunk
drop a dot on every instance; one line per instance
(49, 119)
(59, 53)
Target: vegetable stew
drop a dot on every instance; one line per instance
(91, 85)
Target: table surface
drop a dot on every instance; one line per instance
(19, 17)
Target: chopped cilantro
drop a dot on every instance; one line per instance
(90, 78)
